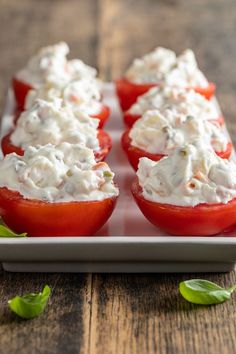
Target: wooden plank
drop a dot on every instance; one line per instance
(62, 328)
(145, 314)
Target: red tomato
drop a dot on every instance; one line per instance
(39, 218)
(201, 220)
(105, 144)
(103, 115)
(134, 153)
(103, 137)
(130, 119)
(20, 89)
(8, 147)
(128, 92)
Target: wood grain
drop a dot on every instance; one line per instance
(145, 314)
(62, 328)
(100, 314)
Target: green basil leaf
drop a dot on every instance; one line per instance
(204, 292)
(30, 305)
(6, 232)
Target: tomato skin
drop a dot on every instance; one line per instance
(104, 138)
(134, 153)
(201, 220)
(130, 119)
(105, 144)
(128, 92)
(8, 147)
(103, 115)
(39, 218)
(20, 89)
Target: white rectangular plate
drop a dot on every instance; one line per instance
(128, 242)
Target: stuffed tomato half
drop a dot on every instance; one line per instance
(80, 95)
(192, 192)
(162, 67)
(56, 191)
(157, 134)
(201, 220)
(101, 153)
(39, 218)
(50, 122)
(128, 92)
(130, 119)
(49, 75)
(183, 101)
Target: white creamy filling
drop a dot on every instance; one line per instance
(50, 65)
(163, 66)
(191, 175)
(160, 132)
(81, 95)
(49, 122)
(60, 173)
(184, 101)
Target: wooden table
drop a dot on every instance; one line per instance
(94, 313)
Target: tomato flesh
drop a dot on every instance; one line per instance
(105, 144)
(201, 220)
(128, 92)
(104, 138)
(103, 115)
(134, 153)
(20, 89)
(130, 119)
(39, 218)
(8, 147)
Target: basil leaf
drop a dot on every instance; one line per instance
(6, 232)
(30, 305)
(204, 292)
